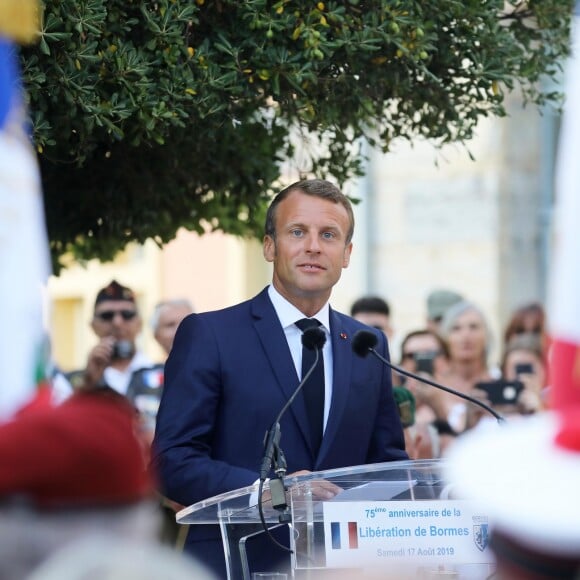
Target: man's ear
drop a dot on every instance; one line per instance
(346, 257)
(269, 248)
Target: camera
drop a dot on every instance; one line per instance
(122, 349)
(424, 362)
(501, 392)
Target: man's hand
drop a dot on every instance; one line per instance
(99, 359)
(320, 488)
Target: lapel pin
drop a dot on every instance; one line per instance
(343, 335)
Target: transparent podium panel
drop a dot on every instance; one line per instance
(390, 520)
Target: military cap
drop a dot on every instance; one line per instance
(115, 291)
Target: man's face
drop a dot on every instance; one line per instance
(377, 320)
(118, 318)
(310, 249)
(170, 316)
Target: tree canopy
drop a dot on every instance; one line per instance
(150, 116)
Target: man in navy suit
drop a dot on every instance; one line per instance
(230, 372)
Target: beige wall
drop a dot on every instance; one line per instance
(212, 271)
(437, 218)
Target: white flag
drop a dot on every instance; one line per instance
(24, 262)
(564, 304)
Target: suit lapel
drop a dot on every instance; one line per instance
(273, 340)
(341, 363)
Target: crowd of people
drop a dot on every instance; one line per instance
(200, 416)
(453, 349)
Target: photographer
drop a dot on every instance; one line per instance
(522, 388)
(523, 361)
(115, 359)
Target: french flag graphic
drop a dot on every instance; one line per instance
(338, 535)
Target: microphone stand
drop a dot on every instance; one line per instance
(274, 457)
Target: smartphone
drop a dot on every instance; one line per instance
(524, 369)
(501, 392)
(424, 362)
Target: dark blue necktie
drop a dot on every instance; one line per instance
(313, 390)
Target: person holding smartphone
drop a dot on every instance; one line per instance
(424, 352)
(522, 389)
(524, 361)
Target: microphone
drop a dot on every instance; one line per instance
(364, 342)
(312, 339)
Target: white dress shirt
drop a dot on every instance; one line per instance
(288, 314)
(119, 380)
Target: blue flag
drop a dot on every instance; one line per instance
(8, 79)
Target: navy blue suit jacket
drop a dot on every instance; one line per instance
(229, 374)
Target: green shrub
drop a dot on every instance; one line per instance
(150, 116)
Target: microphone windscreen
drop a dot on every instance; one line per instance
(313, 338)
(362, 341)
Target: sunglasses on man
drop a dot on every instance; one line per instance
(108, 315)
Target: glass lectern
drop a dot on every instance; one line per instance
(390, 520)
